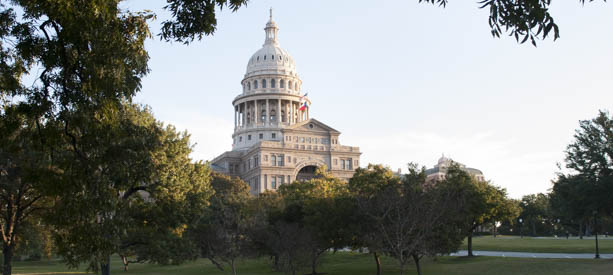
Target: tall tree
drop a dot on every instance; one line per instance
(123, 162)
(364, 186)
(222, 233)
(487, 203)
(25, 166)
(591, 156)
(535, 210)
(404, 217)
(320, 207)
(587, 190)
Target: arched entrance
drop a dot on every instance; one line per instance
(306, 173)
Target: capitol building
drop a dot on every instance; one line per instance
(275, 141)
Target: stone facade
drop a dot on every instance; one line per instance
(275, 141)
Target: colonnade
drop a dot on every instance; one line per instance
(268, 112)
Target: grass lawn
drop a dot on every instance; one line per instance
(526, 244)
(346, 263)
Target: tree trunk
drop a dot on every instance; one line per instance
(105, 268)
(581, 230)
(378, 261)
(314, 265)
(470, 244)
(416, 259)
(233, 267)
(276, 260)
(7, 251)
(125, 261)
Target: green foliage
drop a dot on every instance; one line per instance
(222, 233)
(125, 169)
(535, 211)
(320, 209)
(523, 19)
(194, 18)
(587, 192)
(25, 167)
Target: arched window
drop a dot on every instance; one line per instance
(263, 83)
(273, 57)
(289, 84)
(258, 59)
(248, 117)
(296, 86)
(264, 57)
(283, 116)
(263, 116)
(273, 83)
(255, 84)
(249, 86)
(281, 83)
(273, 115)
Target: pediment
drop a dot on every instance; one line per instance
(312, 125)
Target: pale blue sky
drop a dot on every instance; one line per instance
(404, 81)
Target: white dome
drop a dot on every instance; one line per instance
(271, 58)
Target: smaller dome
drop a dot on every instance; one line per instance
(443, 159)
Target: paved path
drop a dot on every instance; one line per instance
(533, 255)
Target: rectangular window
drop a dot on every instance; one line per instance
(335, 161)
(281, 180)
(308, 140)
(302, 139)
(248, 137)
(261, 136)
(349, 164)
(273, 159)
(315, 140)
(302, 147)
(273, 182)
(255, 164)
(240, 139)
(343, 164)
(265, 157)
(249, 164)
(289, 159)
(274, 136)
(280, 159)
(288, 181)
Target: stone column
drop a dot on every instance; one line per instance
(287, 112)
(291, 108)
(279, 111)
(267, 113)
(256, 116)
(244, 119)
